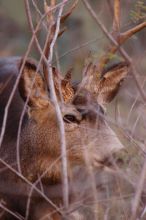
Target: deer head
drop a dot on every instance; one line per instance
(82, 112)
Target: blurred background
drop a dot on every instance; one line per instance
(82, 39)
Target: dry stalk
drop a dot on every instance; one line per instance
(10, 212)
(116, 20)
(58, 113)
(139, 191)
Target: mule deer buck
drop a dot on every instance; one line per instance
(36, 160)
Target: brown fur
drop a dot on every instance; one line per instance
(40, 136)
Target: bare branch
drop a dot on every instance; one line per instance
(13, 92)
(64, 17)
(59, 116)
(139, 191)
(126, 35)
(51, 43)
(10, 212)
(116, 20)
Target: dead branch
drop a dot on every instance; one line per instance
(126, 35)
(116, 20)
(139, 192)
(10, 212)
(58, 112)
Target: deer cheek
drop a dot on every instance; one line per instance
(70, 127)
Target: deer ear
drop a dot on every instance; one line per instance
(110, 82)
(32, 86)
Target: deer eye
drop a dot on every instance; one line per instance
(70, 119)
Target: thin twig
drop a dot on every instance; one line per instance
(139, 191)
(11, 212)
(13, 92)
(127, 34)
(116, 21)
(58, 113)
